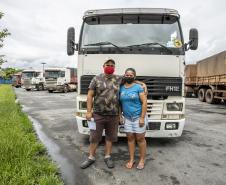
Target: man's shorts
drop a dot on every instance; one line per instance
(109, 123)
(132, 126)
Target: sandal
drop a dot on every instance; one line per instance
(129, 164)
(140, 166)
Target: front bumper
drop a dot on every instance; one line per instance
(160, 132)
(55, 87)
(29, 86)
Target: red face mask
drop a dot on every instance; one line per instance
(109, 70)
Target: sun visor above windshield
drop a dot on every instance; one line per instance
(132, 19)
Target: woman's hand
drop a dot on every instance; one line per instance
(141, 122)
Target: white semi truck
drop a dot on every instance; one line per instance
(61, 79)
(32, 79)
(149, 40)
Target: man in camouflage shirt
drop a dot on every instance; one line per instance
(103, 95)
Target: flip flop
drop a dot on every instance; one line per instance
(140, 165)
(129, 164)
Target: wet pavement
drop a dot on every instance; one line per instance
(198, 157)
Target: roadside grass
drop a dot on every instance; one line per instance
(23, 159)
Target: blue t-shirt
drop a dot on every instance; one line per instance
(130, 101)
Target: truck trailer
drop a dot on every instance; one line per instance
(207, 79)
(61, 79)
(150, 40)
(33, 79)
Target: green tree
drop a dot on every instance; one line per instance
(8, 72)
(3, 34)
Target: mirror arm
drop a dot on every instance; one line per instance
(187, 45)
(75, 46)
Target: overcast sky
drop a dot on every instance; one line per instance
(38, 27)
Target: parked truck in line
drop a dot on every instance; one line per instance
(16, 80)
(33, 79)
(207, 79)
(61, 79)
(149, 40)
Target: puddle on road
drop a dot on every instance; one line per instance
(67, 170)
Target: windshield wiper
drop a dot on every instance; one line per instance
(104, 43)
(151, 44)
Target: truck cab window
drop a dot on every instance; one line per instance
(129, 30)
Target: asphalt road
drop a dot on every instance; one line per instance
(197, 158)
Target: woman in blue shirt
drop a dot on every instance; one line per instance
(134, 106)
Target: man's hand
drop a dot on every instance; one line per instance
(89, 115)
(121, 120)
(144, 86)
(141, 122)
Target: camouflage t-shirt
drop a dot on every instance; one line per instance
(106, 94)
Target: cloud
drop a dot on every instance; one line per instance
(39, 27)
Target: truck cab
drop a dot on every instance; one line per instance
(16, 80)
(61, 79)
(33, 79)
(149, 40)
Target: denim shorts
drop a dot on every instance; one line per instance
(132, 126)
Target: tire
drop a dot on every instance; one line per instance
(28, 89)
(50, 91)
(201, 95)
(209, 96)
(40, 87)
(188, 95)
(65, 90)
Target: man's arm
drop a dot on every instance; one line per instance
(144, 86)
(120, 114)
(89, 104)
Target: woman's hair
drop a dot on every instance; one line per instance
(131, 69)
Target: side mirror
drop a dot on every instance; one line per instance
(193, 39)
(71, 46)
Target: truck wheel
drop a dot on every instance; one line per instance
(209, 96)
(40, 87)
(50, 91)
(201, 95)
(65, 89)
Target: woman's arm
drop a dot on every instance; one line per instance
(143, 99)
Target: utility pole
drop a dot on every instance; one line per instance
(43, 64)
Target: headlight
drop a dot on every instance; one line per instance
(171, 126)
(59, 83)
(82, 105)
(174, 106)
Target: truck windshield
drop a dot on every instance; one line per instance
(28, 74)
(52, 74)
(133, 30)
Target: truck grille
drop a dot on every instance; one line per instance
(154, 126)
(162, 86)
(154, 110)
(51, 81)
(27, 82)
(84, 83)
(158, 87)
